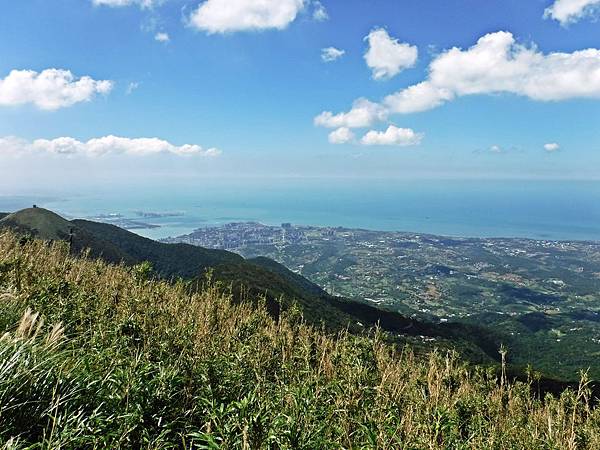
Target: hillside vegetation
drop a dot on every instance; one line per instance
(94, 355)
(249, 278)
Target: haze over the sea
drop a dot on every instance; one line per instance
(512, 208)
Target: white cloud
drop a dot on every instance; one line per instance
(50, 89)
(132, 87)
(496, 149)
(495, 64)
(342, 135)
(416, 98)
(330, 54)
(498, 64)
(363, 114)
(499, 150)
(570, 11)
(551, 147)
(386, 57)
(319, 11)
(119, 3)
(107, 145)
(162, 37)
(222, 16)
(402, 137)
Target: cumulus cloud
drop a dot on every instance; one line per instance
(386, 56)
(570, 11)
(50, 89)
(342, 135)
(551, 147)
(162, 37)
(363, 114)
(119, 3)
(330, 54)
(107, 145)
(495, 64)
(223, 16)
(402, 137)
(416, 98)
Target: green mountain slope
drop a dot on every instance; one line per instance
(248, 279)
(47, 225)
(168, 260)
(94, 357)
(306, 285)
(253, 278)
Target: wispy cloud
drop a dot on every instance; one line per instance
(331, 54)
(132, 87)
(120, 3)
(571, 11)
(97, 147)
(497, 149)
(162, 37)
(319, 12)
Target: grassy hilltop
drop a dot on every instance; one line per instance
(95, 355)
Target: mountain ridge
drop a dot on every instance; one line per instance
(247, 278)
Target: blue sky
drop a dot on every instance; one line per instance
(243, 92)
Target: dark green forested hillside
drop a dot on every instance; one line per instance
(178, 260)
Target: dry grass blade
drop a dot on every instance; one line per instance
(30, 325)
(55, 335)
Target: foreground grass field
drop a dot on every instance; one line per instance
(101, 356)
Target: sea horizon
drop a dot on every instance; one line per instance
(533, 209)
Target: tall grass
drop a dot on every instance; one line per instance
(100, 356)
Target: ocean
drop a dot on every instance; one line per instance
(554, 210)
